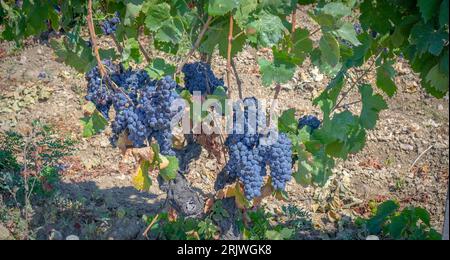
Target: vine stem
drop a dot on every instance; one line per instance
(274, 101)
(277, 91)
(230, 45)
(116, 42)
(238, 35)
(356, 83)
(144, 52)
(150, 225)
(238, 79)
(349, 104)
(294, 19)
(196, 44)
(93, 36)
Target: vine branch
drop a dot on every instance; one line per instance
(294, 19)
(196, 44)
(103, 73)
(230, 45)
(116, 42)
(141, 47)
(93, 36)
(238, 79)
(356, 83)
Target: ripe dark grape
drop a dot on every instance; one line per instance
(98, 91)
(279, 157)
(309, 120)
(374, 34)
(132, 82)
(142, 105)
(248, 156)
(164, 139)
(109, 26)
(198, 76)
(137, 130)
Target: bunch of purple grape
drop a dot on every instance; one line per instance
(249, 155)
(310, 121)
(198, 76)
(143, 106)
(109, 26)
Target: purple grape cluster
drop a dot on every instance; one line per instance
(109, 26)
(157, 102)
(142, 106)
(311, 121)
(198, 76)
(279, 157)
(249, 156)
(98, 91)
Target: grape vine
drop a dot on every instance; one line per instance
(346, 51)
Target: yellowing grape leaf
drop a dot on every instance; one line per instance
(141, 180)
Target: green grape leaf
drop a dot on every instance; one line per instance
(317, 60)
(171, 31)
(170, 172)
(385, 79)
(79, 56)
(279, 73)
(371, 106)
(283, 234)
(159, 68)
(166, 47)
(326, 21)
(156, 16)
(133, 8)
(269, 30)
(36, 13)
(362, 52)
(329, 48)
(337, 10)
(278, 7)
(93, 124)
(423, 215)
(443, 14)
(347, 32)
(287, 123)
(397, 226)
(220, 38)
(427, 39)
(220, 7)
(131, 52)
(340, 135)
(333, 89)
(428, 8)
(243, 12)
(314, 169)
(438, 79)
(386, 209)
(379, 15)
(430, 89)
(302, 45)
